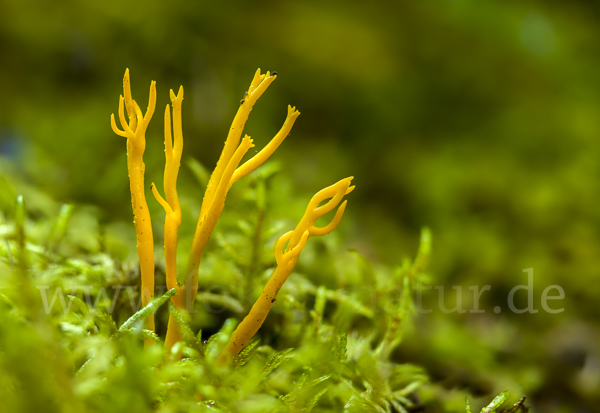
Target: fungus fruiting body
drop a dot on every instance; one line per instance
(135, 132)
(225, 174)
(173, 151)
(287, 257)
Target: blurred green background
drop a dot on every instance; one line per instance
(478, 119)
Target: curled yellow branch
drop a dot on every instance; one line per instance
(135, 132)
(287, 258)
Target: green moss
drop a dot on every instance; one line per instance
(71, 334)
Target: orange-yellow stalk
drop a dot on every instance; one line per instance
(135, 132)
(227, 172)
(287, 259)
(173, 150)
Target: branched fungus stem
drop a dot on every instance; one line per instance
(227, 172)
(135, 132)
(173, 151)
(287, 258)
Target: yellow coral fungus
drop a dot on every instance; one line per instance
(135, 132)
(227, 172)
(287, 259)
(173, 150)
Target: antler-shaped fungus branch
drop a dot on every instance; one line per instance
(259, 84)
(173, 150)
(287, 259)
(135, 132)
(227, 172)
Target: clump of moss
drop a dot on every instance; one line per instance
(75, 320)
(69, 331)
